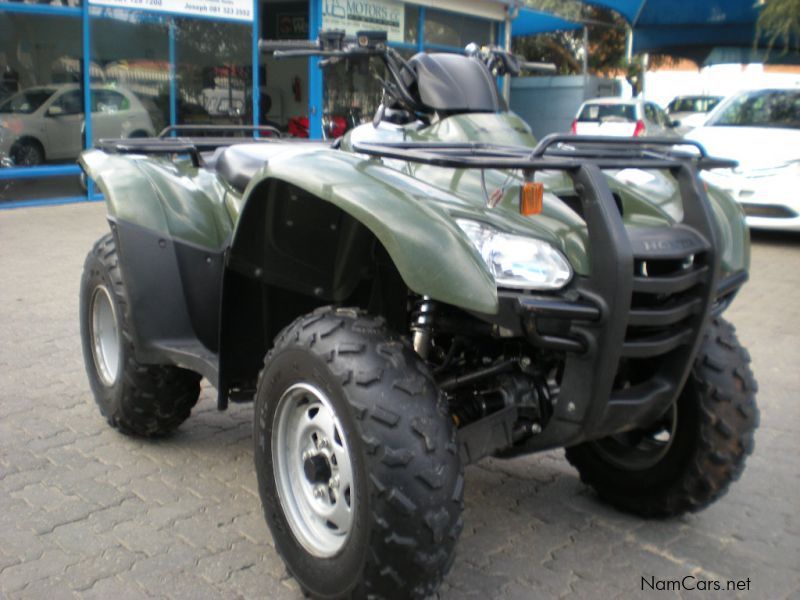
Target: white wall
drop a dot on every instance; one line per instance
(663, 85)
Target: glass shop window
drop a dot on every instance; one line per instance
(130, 74)
(214, 71)
(352, 93)
(284, 83)
(412, 25)
(41, 102)
(451, 29)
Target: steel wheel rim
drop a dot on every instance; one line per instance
(27, 155)
(640, 449)
(106, 349)
(313, 470)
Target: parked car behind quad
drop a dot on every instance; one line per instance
(761, 130)
(622, 117)
(45, 123)
(691, 111)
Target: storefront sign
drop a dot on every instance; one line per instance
(292, 25)
(364, 15)
(238, 10)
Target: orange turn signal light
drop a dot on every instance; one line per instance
(531, 196)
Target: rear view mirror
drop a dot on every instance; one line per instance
(55, 111)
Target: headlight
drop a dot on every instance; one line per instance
(518, 262)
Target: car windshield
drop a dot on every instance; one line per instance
(26, 102)
(765, 108)
(693, 104)
(608, 112)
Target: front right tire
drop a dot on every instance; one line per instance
(687, 459)
(358, 469)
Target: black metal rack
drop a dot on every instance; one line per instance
(206, 138)
(555, 151)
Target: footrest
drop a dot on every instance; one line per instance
(486, 436)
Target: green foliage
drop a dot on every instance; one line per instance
(606, 31)
(779, 23)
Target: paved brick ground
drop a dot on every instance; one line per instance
(86, 512)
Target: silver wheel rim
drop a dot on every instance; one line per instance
(313, 470)
(105, 336)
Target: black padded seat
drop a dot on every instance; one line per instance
(238, 164)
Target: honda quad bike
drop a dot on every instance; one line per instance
(433, 288)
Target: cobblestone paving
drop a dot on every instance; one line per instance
(86, 512)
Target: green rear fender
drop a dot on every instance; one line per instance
(430, 252)
(170, 198)
(129, 195)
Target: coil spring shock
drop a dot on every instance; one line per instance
(422, 325)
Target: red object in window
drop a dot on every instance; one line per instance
(298, 127)
(338, 126)
(575, 127)
(639, 130)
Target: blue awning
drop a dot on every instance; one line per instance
(689, 28)
(531, 22)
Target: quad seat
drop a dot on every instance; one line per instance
(239, 163)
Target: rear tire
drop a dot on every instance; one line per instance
(710, 434)
(146, 400)
(358, 469)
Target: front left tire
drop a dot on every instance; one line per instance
(358, 469)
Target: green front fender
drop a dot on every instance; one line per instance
(430, 252)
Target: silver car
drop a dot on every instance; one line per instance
(45, 123)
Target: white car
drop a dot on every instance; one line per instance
(761, 130)
(622, 117)
(691, 111)
(45, 123)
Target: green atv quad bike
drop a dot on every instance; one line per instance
(433, 288)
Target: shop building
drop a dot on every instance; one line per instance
(76, 71)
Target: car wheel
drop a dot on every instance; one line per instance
(27, 153)
(146, 400)
(689, 457)
(357, 465)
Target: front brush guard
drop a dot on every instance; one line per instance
(612, 314)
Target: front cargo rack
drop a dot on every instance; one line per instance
(555, 151)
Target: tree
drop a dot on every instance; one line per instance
(606, 32)
(779, 24)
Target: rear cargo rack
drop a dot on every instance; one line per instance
(218, 130)
(204, 138)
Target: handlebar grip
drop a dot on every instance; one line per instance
(273, 45)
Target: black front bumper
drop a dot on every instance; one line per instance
(629, 332)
